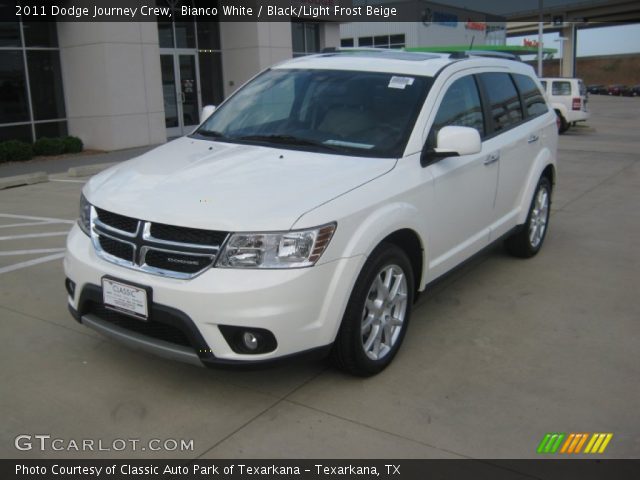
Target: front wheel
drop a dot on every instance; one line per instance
(377, 315)
(527, 241)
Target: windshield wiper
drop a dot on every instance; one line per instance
(286, 140)
(210, 133)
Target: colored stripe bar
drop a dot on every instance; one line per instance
(605, 443)
(543, 443)
(556, 445)
(583, 439)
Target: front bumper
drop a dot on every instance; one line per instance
(301, 307)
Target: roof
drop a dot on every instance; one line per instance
(384, 60)
(393, 61)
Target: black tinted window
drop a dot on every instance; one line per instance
(460, 107)
(504, 103)
(532, 97)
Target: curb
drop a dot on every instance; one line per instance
(26, 179)
(88, 170)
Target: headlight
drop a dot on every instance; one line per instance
(84, 221)
(293, 249)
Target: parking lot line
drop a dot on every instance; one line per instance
(27, 224)
(35, 261)
(33, 235)
(43, 219)
(30, 252)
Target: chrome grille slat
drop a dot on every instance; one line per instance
(150, 254)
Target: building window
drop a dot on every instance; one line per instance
(346, 42)
(305, 38)
(31, 93)
(383, 41)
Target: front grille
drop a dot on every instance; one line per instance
(117, 248)
(187, 235)
(177, 262)
(156, 248)
(117, 221)
(150, 328)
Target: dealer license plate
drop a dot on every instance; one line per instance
(125, 298)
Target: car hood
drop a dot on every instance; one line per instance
(223, 186)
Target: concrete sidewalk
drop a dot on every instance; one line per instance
(63, 164)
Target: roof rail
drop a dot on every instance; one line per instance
(354, 49)
(485, 53)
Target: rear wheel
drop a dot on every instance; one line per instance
(377, 315)
(527, 241)
(562, 123)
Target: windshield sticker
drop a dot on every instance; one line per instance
(341, 143)
(400, 82)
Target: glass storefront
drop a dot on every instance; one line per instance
(31, 92)
(191, 64)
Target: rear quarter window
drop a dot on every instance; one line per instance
(534, 103)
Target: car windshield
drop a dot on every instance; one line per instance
(333, 111)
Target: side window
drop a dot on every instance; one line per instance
(534, 102)
(504, 102)
(460, 107)
(544, 85)
(561, 88)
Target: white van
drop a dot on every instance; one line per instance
(569, 98)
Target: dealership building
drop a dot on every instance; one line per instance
(126, 84)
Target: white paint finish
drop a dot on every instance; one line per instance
(194, 179)
(222, 186)
(29, 263)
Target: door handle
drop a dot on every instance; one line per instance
(492, 158)
(533, 138)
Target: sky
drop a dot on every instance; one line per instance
(594, 41)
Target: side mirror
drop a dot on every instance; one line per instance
(207, 110)
(452, 142)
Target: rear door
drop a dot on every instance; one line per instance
(512, 137)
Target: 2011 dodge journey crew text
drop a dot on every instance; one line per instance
(308, 210)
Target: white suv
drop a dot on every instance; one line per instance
(569, 98)
(306, 213)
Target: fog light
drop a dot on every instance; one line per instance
(71, 287)
(250, 341)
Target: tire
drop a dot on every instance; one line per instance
(563, 126)
(527, 241)
(364, 346)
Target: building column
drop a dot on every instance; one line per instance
(569, 50)
(112, 83)
(250, 47)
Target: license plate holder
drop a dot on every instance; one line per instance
(126, 298)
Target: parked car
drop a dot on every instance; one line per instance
(307, 212)
(635, 91)
(569, 99)
(619, 90)
(597, 89)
